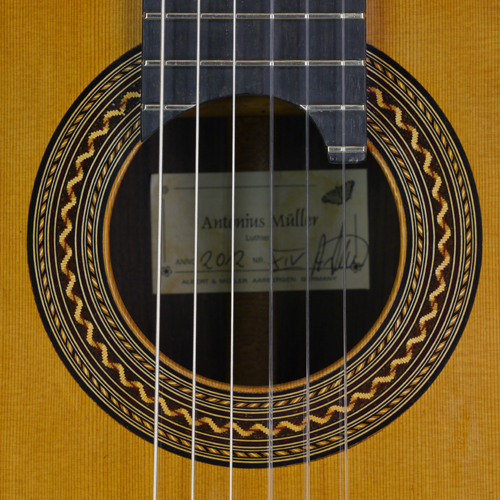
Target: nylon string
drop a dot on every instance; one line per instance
(158, 254)
(344, 269)
(233, 175)
(196, 211)
(307, 168)
(271, 179)
(270, 480)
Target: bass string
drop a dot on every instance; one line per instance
(195, 259)
(159, 251)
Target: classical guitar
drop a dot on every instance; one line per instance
(341, 281)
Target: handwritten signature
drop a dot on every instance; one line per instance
(329, 255)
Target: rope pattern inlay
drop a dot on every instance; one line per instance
(257, 427)
(89, 153)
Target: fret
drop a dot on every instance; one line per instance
(168, 107)
(346, 149)
(173, 16)
(254, 63)
(313, 108)
(334, 107)
(255, 6)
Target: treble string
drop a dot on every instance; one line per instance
(344, 266)
(195, 270)
(233, 179)
(270, 481)
(159, 253)
(307, 168)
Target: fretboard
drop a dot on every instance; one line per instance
(316, 60)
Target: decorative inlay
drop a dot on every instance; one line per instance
(385, 377)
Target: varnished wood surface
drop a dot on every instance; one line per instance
(56, 443)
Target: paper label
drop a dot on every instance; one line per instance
(252, 231)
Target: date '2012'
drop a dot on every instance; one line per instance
(208, 260)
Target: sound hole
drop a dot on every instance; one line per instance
(131, 256)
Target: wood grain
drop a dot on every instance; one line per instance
(446, 446)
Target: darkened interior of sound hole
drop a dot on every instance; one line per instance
(130, 253)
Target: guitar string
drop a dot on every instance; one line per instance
(233, 178)
(195, 259)
(270, 479)
(344, 264)
(307, 167)
(159, 251)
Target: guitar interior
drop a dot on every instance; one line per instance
(131, 255)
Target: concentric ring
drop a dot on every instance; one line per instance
(388, 374)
